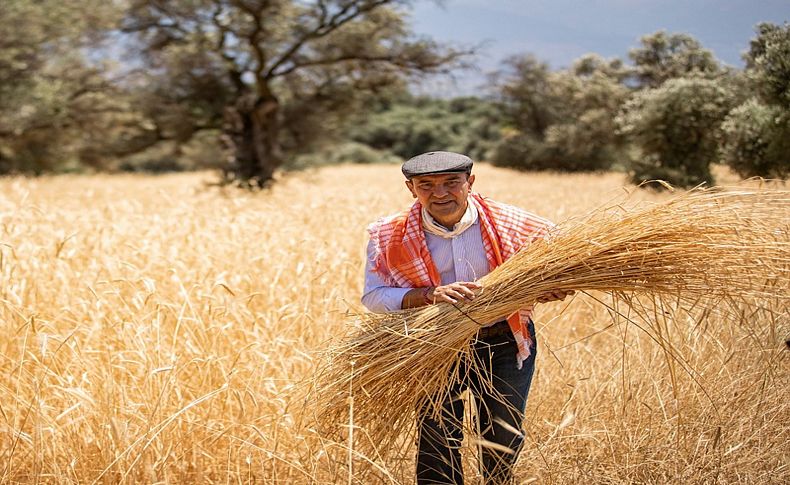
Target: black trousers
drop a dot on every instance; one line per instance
(500, 390)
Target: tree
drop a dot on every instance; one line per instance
(664, 56)
(561, 120)
(530, 99)
(768, 63)
(49, 90)
(531, 102)
(284, 64)
(757, 140)
(677, 127)
(587, 139)
(757, 133)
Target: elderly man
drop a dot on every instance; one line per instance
(434, 252)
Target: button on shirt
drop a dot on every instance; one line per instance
(461, 258)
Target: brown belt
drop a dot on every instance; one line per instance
(499, 328)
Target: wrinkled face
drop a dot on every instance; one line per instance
(443, 195)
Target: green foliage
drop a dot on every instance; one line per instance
(562, 120)
(275, 79)
(757, 140)
(309, 82)
(51, 96)
(523, 152)
(155, 165)
(414, 125)
(531, 100)
(768, 63)
(185, 94)
(677, 127)
(587, 143)
(664, 56)
(757, 133)
(202, 151)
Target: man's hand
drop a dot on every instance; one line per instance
(558, 295)
(454, 292)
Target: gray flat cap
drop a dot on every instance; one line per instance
(436, 162)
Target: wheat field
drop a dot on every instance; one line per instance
(161, 330)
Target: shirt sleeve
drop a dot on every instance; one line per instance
(377, 297)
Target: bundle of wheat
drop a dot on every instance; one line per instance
(703, 247)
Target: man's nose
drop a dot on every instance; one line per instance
(439, 191)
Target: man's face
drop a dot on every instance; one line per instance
(443, 195)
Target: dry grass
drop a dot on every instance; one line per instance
(153, 331)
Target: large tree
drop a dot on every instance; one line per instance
(284, 69)
(757, 138)
(530, 98)
(50, 92)
(677, 127)
(768, 63)
(663, 56)
(560, 120)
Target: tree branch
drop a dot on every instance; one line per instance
(325, 27)
(254, 39)
(393, 60)
(230, 61)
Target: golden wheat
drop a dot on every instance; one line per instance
(154, 330)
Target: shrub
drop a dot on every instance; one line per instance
(350, 152)
(417, 125)
(585, 144)
(164, 164)
(523, 152)
(582, 145)
(757, 140)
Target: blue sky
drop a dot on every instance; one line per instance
(560, 31)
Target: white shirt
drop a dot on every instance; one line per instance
(461, 258)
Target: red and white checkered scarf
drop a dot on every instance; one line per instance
(403, 260)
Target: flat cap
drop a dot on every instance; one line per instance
(436, 162)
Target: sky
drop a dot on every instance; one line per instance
(559, 31)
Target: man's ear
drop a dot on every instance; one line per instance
(470, 180)
(410, 185)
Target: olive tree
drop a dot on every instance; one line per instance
(756, 140)
(677, 128)
(49, 91)
(757, 133)
(560, 120)
(663, 56)
(288, 67)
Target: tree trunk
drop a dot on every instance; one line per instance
(252, 132)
